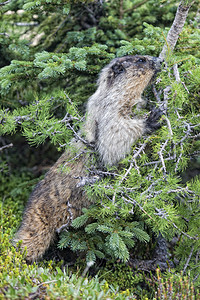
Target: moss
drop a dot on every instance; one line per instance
(121, 274)
(44, 279)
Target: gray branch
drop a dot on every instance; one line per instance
(4, 3)
(175, 29)
(6, 146)
(26, 24)
(188, 260)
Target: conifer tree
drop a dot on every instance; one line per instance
(51, 52)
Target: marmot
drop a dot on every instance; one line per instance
(59, 198)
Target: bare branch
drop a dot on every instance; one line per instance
(156, 94)
(87, 180)
(69, 219)
(79, 137)
(72, 104)
(75, 157)
(169, 125)
(177, 76)
(4, 3)
(188, 260)
(5, 34)
(175, 29)
(6, 146)
(134, 158)
(26, 24)
(131, 166)
(130, 200)
(160, 153)
(176, 73)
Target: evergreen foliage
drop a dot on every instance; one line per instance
(50, 55)
(108, 235)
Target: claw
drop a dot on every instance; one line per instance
(152, 122)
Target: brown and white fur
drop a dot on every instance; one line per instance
(109, 124)
(59, 198)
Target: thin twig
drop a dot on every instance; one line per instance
(176, 73)
(169, 125)
(4, 3)
(188, 260)
(160, 153)
(79, 137)
(70, 101)
(131, 166)
(74, 158)
(134, 202)
(156, 95)
(47, 282)
(26, 24)
(177, 77)
(69, 219)
(6, 146)
(4, 33)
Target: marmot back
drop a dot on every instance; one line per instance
(59, 198)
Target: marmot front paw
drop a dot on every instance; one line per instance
(152, 122)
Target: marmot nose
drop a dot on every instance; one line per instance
(158, 63)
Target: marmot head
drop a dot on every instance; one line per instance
(129, 71)
(120, 86)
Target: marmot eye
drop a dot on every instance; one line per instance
(141, 60)
(118, 69)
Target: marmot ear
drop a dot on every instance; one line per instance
(118, 69)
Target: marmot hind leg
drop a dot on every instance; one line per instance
(38, 229)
